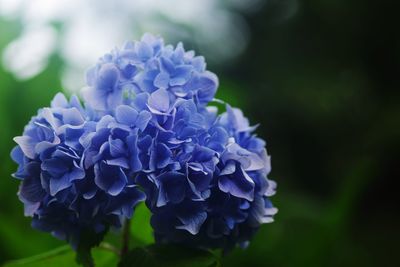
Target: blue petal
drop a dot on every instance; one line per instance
(144, 51)
(202, 154)
(124, 203)
(238, 184)
(191, 219)
(30, 208)
(135, 163)
(72, 116)
(107, 77)
(72, 136)
(167, 65)
(162, 80)
(163, 155)
(58, 184)
(31, 189)
(261, 212)
(55, 166)
(114, 99)
(172, 188)
(117, 147)
(159, 101)
(181, 75)
(126, 115)
(207, 87)
(27, 145)
(77, 173)
(59, 101)
(230, 168)
(44, 145)
(109, 178)
(120, 162)
(271, 188)
(17, 155)
(250, 161)
(129, 71)
(199, 182)
(140, 101)
(97, 99)
(143, 119)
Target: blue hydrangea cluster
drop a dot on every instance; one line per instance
(147, 132)
(68, 186)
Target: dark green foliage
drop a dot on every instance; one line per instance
(168, 256)
(88, 240)
(65, 257)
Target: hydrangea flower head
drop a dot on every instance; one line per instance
(146, 131)
(219, 196)
(64, 195)
(144, 67)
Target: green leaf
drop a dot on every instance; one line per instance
(141, 230)
(65, 257)
(169, 256)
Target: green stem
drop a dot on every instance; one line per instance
(109, 247)
(126, 232)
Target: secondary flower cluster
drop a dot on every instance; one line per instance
(146, 124)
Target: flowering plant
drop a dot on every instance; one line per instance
(146, 132)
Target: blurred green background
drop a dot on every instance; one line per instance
(323, 80)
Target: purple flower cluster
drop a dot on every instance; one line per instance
(146, 124)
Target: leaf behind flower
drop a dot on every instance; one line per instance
(169, 256)
(65, 257)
